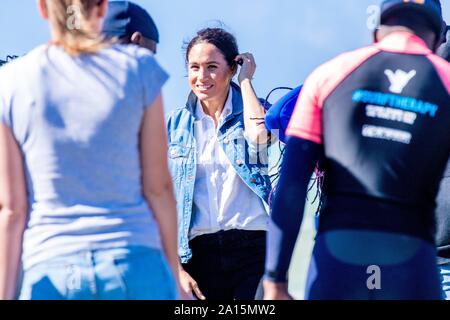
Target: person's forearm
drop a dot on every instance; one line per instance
(253, 114)
(163, 206)
(12, 225)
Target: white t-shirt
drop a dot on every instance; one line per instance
(77, 121)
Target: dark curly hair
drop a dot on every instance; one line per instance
(221, 39)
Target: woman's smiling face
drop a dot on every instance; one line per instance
(209, 73)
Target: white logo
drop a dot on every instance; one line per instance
(399, 79)
(374, 281)
(73, 281)
(374, 17)
(74, 17)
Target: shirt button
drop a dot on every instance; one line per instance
(173, 152)
(226, 141)
(239, 162)
(253, 180)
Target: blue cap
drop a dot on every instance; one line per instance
(125, 18)
(432, 9)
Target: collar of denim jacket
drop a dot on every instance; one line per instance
(238, 107)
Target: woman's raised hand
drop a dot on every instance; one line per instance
(248, 66)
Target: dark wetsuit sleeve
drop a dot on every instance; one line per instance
(288, 207)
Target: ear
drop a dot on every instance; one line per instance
(42, 7)
(438, 41)
(234, 70)
(102, 8)
(375, 35)
(232, 74)
(136, 38)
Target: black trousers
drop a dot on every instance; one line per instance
(228, 265)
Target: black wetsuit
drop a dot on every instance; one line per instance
(379, 115)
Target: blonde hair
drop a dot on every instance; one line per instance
(71, 20)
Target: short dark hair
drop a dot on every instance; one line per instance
(221, 39)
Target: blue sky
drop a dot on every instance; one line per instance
(288, 38)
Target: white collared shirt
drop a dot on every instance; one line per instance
(222, 201)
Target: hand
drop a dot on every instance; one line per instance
(276, 291)
(248, 66)
(189, 286)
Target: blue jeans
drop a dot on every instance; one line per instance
(445, 279)
(135, 273)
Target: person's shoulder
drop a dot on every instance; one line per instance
(142, 52)
(30, 57)
(128, 54)
(440, 62)
(346, 62)
(132, 51)
(180, 116)
(22, 65)
(328, 75)
(178, 112)
(442, 67)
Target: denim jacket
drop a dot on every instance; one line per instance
(248, 159)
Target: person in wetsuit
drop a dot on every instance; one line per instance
(376, 118)
(443, 207)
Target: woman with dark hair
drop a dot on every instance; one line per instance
(218, 159)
